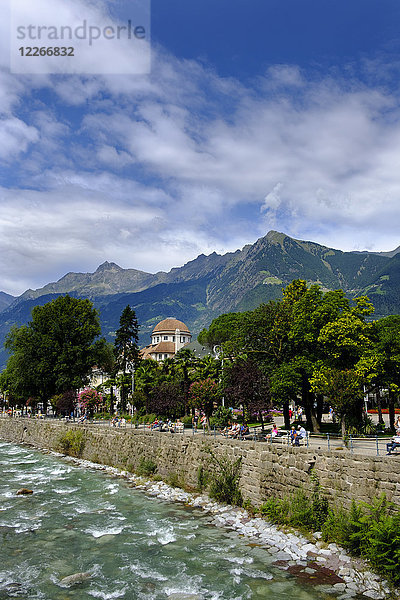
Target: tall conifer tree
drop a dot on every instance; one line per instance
(126, 348)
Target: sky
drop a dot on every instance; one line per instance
(229, 119)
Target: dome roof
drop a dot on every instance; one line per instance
(171, 324)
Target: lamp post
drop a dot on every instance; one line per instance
(131, 367)
(218, 351)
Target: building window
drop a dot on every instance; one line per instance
(165, 338)
(165, 355)
(183, 339)
(160, 357)
(158, 339)
(173, 338)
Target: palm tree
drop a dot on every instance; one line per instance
(208, 367)
(168, 369)
(147, 375)
(186, 362)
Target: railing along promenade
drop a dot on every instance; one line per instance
(367, 445)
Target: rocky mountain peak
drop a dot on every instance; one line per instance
(108, 266)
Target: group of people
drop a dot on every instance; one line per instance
(296, 435)
(199, 418)
(235, 430)
(297, 413)
(161, 425)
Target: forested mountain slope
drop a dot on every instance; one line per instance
(210, 285)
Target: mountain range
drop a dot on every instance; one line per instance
(210, 285)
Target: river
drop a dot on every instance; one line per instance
(134, 547)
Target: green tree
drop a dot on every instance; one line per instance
(344, 389)
(147, 376)
(126, 349)
(186, 362)
(55, 352)
(290, 340)
(208, 367)
(205, 395)
(386, 346)
(221, 330)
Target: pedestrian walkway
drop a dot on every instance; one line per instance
(367, 446)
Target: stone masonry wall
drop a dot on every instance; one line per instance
(266, 470)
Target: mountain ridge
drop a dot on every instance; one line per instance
(209, 285)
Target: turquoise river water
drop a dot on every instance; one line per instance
(134, 547)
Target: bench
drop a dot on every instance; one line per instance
(395, 446)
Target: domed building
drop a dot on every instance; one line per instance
(167, 338)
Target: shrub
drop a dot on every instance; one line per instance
(187, 420)
(174, 480)
(303, 511)
(72, 443)
(203, 477)
(148, 418)
(146, 467)
(371, 531)
(276, 510)
(319, 505)
(251, 509)
(221, 417)
(224, 479)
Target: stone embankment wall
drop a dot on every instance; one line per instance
(266, 470)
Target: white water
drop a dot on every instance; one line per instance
(134, 547)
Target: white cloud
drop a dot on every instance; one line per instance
(15, 137)
(151, 171)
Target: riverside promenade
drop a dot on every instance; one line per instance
(346, 473)
(365, 445)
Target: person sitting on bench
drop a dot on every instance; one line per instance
(301, 435)
(395, 443)
(274, 432)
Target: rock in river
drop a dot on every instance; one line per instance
(74, 579)
(24, 492)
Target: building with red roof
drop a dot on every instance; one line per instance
(167, 338)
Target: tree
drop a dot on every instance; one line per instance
(208, 367)
(291, 338)
(248, 386)
(89, 400)
(65, 403)
(205, 395)
(221, 330)
(147, 375)
(344, 389)
(285, 383)
(55, 352)
(166, 400)
(126, 348)
(386, 341)
(185, 360)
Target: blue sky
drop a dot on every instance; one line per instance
(256, 115)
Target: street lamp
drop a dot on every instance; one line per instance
(218, 351)
(131, 367)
